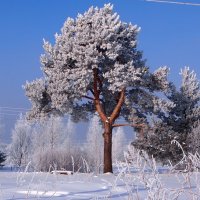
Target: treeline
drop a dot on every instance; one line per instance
(51, 144)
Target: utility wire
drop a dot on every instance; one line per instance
(12, 111)
(174, 2)
(13, 108)
(16, 114)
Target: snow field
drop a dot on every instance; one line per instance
(120, 186)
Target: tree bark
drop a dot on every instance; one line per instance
(107, 148)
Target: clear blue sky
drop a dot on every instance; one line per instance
(170, 35)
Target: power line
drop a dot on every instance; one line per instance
(7, 111)
(13, 111)
(174, 2)
(14, 114)
(13, 108)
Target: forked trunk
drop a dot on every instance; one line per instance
(107, 148)
(107, 120)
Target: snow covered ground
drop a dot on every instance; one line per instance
(119, 186)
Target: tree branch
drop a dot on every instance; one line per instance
(97, 103)
(87, 97)
(92, 91)
(132, 125)
(100, 84)
(117, 109)
(91, 98)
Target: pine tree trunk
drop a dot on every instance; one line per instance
(107, 120)
(107, 148)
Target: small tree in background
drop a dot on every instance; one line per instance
(20, 147)
(94, 145)
(94, 66)
(194, 138)
(69, 137)
(2, 149)
(119, 144)
(2, 158)
(47, 137)
(52, 145)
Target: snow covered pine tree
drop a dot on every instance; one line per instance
(94, 66)
(176, 118)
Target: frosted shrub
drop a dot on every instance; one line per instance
(53, 148)
(58, 159)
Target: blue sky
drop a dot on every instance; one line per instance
(170, 35)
